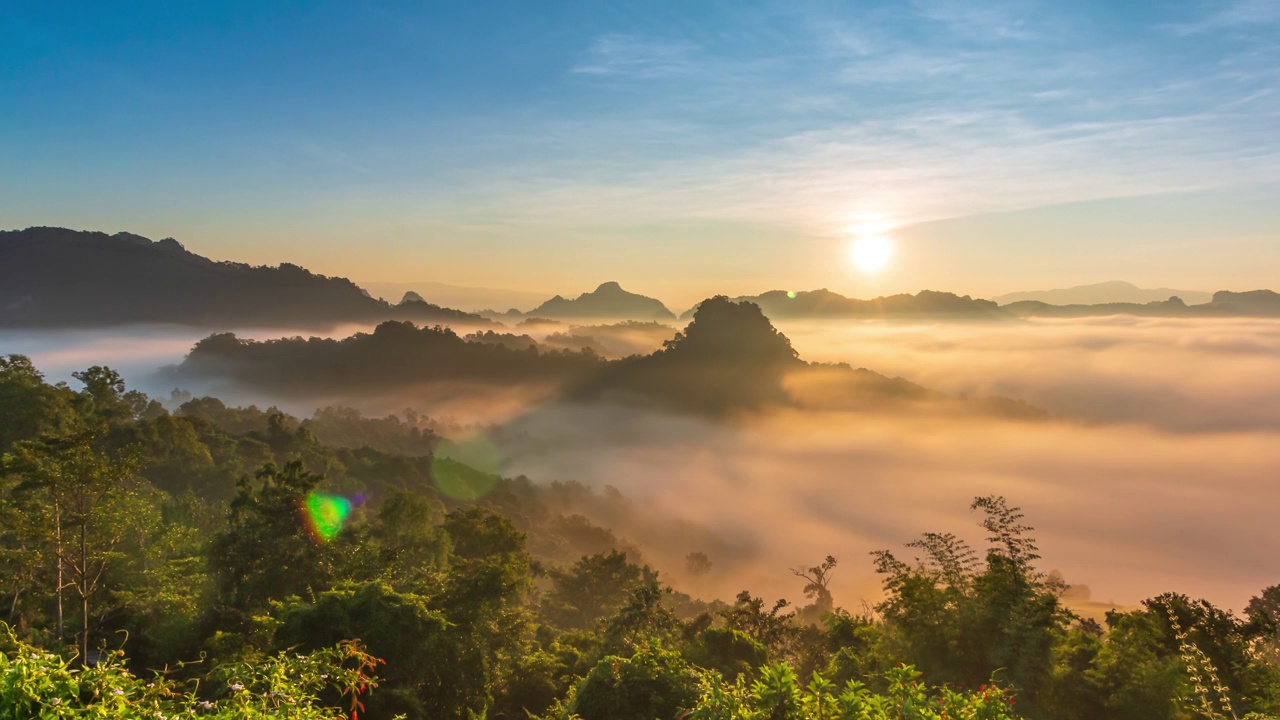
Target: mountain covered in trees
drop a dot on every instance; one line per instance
(931, 305)
(395, 354)
(779, 304)
(1254, 303)
(54, 277)
(608, 300)
(1103, 293)
(241, 564)
(59, 278)
(728, 359)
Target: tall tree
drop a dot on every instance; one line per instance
(32, 407)
(960, 619)
(91, 504)
(817, 578)
(268, 551)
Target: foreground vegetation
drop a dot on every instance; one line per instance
(238, 563)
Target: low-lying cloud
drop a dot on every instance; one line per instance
(1175, 374)
(1130, 511)
(1157, 471)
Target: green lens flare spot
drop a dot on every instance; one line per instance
(467, 469)
(791, 294)
(326, 514)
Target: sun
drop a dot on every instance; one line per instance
(871, 253)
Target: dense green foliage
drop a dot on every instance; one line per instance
(36, 683)
(395, 354)
(234, 556)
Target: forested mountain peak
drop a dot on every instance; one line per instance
(736, 332)
(1113, 291)
(1252, 302)
(824, 303)
(608, 300)
(56, 277)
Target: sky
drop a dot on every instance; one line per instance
(678, 148)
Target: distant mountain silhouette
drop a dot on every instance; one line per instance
(1173, 307)
(729, 359)
(470, 299)
(607, 301)
(54, 277)
(928, 304)
(1254, 303)
(396, 354)
(1115, 291)
(823, 303)
(509, 316)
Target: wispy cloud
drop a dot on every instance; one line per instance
(1241, 13)
(866, 118)
(983, 21)
(636, 56)
(796, 118)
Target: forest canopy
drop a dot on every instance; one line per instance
(242, 553)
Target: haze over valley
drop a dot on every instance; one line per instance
(901, 385)
(663, 361)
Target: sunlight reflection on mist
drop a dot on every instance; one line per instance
(1129, 511)
(1158, 475)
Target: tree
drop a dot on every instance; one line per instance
(960, 620)
(1263, 612)
(92, 505)
(421, 658)
(772, 628)
(31, 407)
(652, 683)
(727, 651)
(644, 618)
(413, 550)
(482, 598)
(816, 580)
(595, 587)
(697, 564)
(268, 552)
(22, 547)
(106, 398)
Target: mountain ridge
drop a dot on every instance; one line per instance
(730, 359)
(608, 300)
(1103, 293)
(827, 304)
(61, 278)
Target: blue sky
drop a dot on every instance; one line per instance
(681, 148)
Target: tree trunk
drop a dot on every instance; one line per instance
(84, 596)
(57, 543)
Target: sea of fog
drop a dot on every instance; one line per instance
(1158, 471)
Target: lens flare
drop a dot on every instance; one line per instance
(467, 469)
(326, 514)
(791, 294)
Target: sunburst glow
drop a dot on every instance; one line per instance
(871, 253)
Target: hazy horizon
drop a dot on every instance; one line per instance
(1003, 148)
